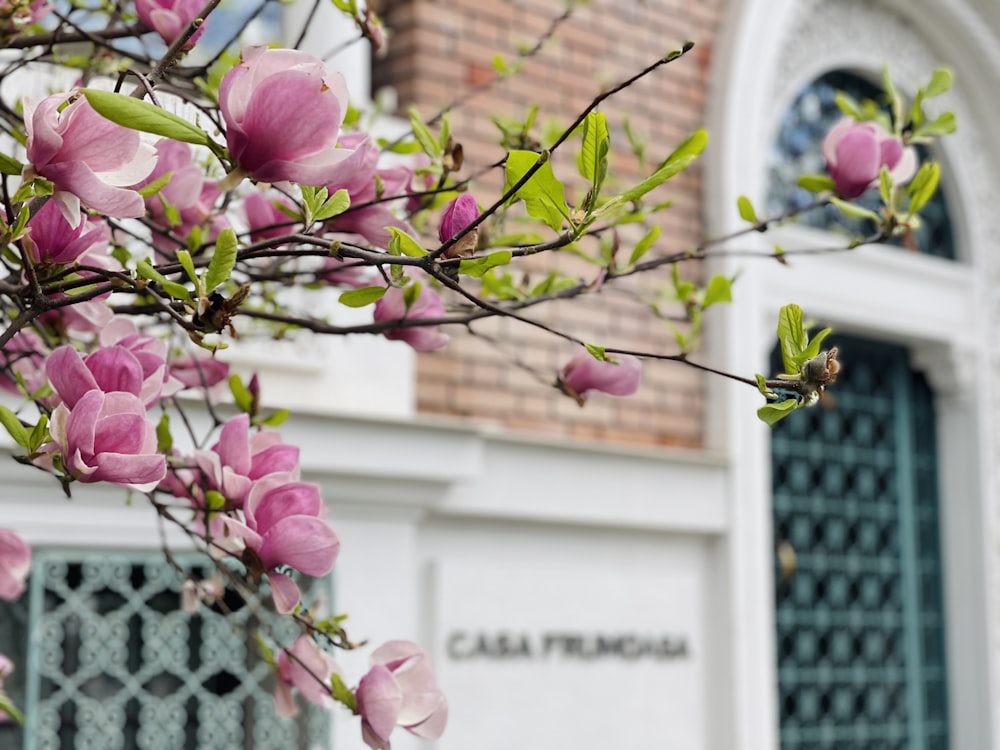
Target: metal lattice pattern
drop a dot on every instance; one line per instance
(114, 664)
(860, 625)
(796, 151)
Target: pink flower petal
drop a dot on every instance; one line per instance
(303, 542)
(68, 374)
(379, 701)
(284, 591)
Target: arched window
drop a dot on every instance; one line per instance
(796, 151)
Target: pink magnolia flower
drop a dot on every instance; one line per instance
(6, 668)
(188, 191)
(239, 459)
(428, 304)
(16, 15)
(583, 374)
(15, 562)
(105, 437)
(400, 690)
(23, 355)
(85, 317)
(54, 241)
(131, 363)
(855, 153)
(170, 17)
(87, 158)
(365, 183)
(285, 526)
(283, 114)
(107, 370)
(307, 668)
(150, 351)
(457, 215)
(265, 220)
(198, 372)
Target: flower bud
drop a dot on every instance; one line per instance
(617, 376)
(855, 153)
(457, 216)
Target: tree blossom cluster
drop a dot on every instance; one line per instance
(136, 236)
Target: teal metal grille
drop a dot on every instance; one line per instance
(860, 622)
(107, 661)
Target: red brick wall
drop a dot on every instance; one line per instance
(437, 52)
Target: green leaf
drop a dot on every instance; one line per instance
(220, 267)
(215, 500)
(597, 352)
(816, 183)
(140, 115)
(23, 217)
(39, 434)
(501, 287)
(242, 396)
(850, 106)
(361, 297)
(265, 651)
(592, 160)
(676, 163)
(276, 419)
(14, 427)
(922, 187)
(403, 244)
(156, 185)
(762, 385)
(445, 132)
(747, 212)
(342, 694)
(943, 125)
(885, 185)
(643, 246)
(175, 290)
(771, 414)
(543, 194)
(312, 199)
(719, 290)
(893, 99)
(335, 205)
(793, 338)
(423, 135)
(121, 254)
(478, 266)
(8, 707)
(411, 294)
(917, 110)
(856, 211)
(553, 283)
(164, 440)
(184, 257)
(941, 81)
(10, 165)
(814, 346)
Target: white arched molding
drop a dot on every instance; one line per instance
(947, 313)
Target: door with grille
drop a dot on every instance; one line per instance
(860, 621)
